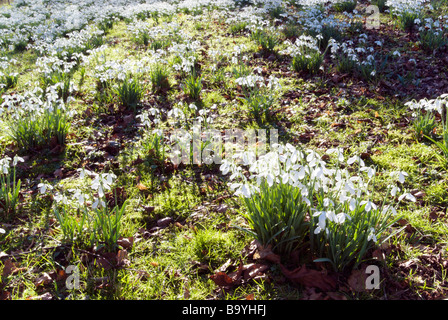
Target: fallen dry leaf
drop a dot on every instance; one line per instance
(357, 280)
(122, 258)
(310, 278)
(103, 263)
(142, 275)
(254, 269)
(186, 293)
(379, 255)
(408, 264)
(222, 279)
(164, 222)
(141, 186)
(266, 254)
(336, 296)
(409, 228)
(236, 275)
(250, 296)
(5, 295)
(45, 296)
(201, 267)
(43, 280)
(8, 268)
(61, 275)
(177, 224)
(250, 249)
(126, 243)
(311, 294)
(58, 173)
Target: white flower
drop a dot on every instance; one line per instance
(355, 158)
(98, 204)
(408, 196)
(352, 205)
(225, 167)
(387, 208)
(84, 172)
(17, 159)
(372, 235)
(4, 165)
(80, 197)
(60, 198)
(43, 187)
(400, 175)
(321, 224)
(103, 182)
(369, 205)
(340, 217)
(327, 202)
(370, 171)
(339, 152)
(270, 179)
(394, 190)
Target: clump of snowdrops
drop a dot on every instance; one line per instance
(84, 214)
(424, 113)
(305, 53)
(294, 199)
(9, 186)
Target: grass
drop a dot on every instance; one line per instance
(183, 221)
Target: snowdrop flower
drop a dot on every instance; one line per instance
(399, 175)
(337, 218)
(396, 53)
(340, 218)
(370, 171)
(43, 187)
(352, 160)
(372, 235)
(144, 119)
(243, 189)
(4, 165)
(389, 207)
(84, 172)
(322, 221)
(339, 153)
(2, 231)
(80, 197)
(103, 182)
(369, 205)
(394, 190)
(248, 158)
(327, 202)
(225, 167)
(177, 113)
(60, 198)
(98, 204)
(408, 196)
(16, 160)
(352, 205)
